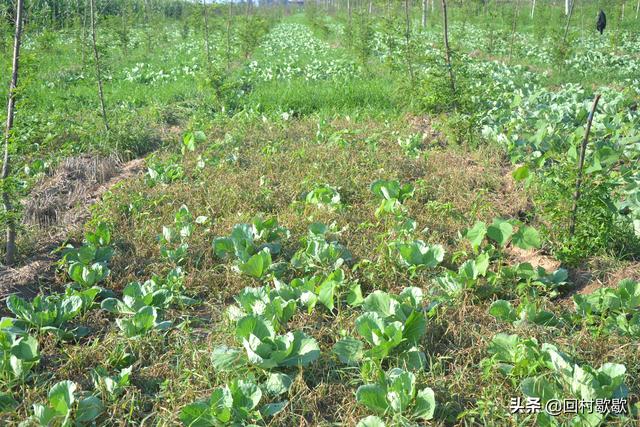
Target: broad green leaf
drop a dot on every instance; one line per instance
(26, 349)
(425, 404)
(379, 302)
(349, 350)
(500, 231)
(257, 265)
(354, 296)
(226, 359)
(7, 402)
(476, 234)
(373, 397)
(61, 397)
(521, 173)
(371, 421)
(277, 383)
(503, 310)
(271, 409)
(527, 238)
(89, 409)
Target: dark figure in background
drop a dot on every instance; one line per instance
(602, 21)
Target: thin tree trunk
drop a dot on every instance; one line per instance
(533, 8)
(583, 150)
(96, 57)
(6, 197)
(513, 29)
(370, 7)
(146, 24)
(407, 36)
(424, 13)
(447, 48)
(229, 19)
(566, 28)
(206, 33)
(125, 31)
(638, 9)
(84, 35)
(567, 6)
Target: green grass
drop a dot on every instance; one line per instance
(353, 97)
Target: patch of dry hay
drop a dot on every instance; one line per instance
(72, 182)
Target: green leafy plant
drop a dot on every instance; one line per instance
(277, 307)
(18, 353)
(87, 265)
(65, 409)
(111, 387)
(323, 195)
(392, 195)
(569, 380)
(258, 265)
(142, 322)
(320, 251)
(395, 395)
(417, 254)
(173, 240)
(163, 172)
(502, 232)
(235, 404)
(328, 290)
(516, 357)
(612, 309)
(155, 292)
(525, 312)
(390, 325)
(247, 240)
(51, 313)
(191, 139)
(266, 349)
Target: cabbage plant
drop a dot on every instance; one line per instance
(320, 251)
(53, 312)
(390, 325)
(64, 408)
(396, 396)
(142, 322)
(233, 404)
(18, 353)
(612, 309)
(266, 349)
(275, 306)
(246, 240)
(391, 195)
(87, 265)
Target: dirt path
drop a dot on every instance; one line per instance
(59, 207)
